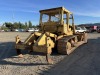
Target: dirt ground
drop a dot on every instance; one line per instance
(83, 61)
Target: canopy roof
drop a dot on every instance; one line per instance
(55, 10)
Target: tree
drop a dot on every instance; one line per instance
(20, 25)
(4, 28)
(16, 25)
(26, 25)
(9, 25)
(30, 24)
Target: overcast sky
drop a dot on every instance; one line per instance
(85, 11)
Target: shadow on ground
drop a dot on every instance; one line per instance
(84, 60)
(7, 51)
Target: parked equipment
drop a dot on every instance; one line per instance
(98, 29)
(93, 28)
(57, 32)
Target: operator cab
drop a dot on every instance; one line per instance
(56, 20)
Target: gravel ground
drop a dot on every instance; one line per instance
(83, 61)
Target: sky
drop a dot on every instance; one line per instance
(85, 11)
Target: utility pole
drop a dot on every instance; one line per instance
(13, 16)
(12, 20)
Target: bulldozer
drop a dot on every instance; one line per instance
(56, 32)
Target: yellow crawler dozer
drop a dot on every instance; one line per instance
(56, 31)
